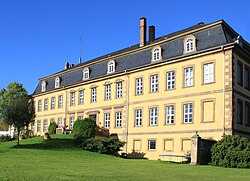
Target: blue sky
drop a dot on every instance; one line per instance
(38, 36)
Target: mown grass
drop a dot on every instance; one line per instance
(59, 159)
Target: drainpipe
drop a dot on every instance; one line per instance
(127, 113)
(65, 108)
(223, 79)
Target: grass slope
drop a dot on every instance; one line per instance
(59, 159)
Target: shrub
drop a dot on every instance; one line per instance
(109, 146)
(231, 151)
(84, 128)
(5, 138)
(52, 128)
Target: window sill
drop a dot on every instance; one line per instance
(208, 83)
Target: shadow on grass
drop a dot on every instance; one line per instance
(52, 144)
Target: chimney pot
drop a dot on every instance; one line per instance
(143, 25)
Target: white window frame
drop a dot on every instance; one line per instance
(107, 120)
(93, 94)
(46, 104)
(190, 45)
(119, 90)
(39, 107)
(149, 144)
(59, 122)
(139, 86)
(57, 82)
(111, 66)
(170, 80)
(71, 121)
(208, 73)
(107, 91)
(33, 126)
(156, 54)
(154, 83)
(43, 86)
(188, 76)
(85, 73)
(72, 99)
(81, 97)
(38, 129)
(153, 115)
(138, 117)
(60, 101)
(170, 114)
(188, 110)
(53, 103)
(45, 125)
(118, 119)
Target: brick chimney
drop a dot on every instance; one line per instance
(151, 36)
(143, 25)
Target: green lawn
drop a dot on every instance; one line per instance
(59, 159)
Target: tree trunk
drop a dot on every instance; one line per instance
(18, 135)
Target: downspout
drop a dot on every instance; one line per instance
(65, 109)
(127, 112)
(223, 79)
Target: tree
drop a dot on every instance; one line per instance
(16, 108)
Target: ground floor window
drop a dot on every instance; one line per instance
(71, 122)
(151, 144)
(107, 120)
(118, 119)
(59, 122)
(45, 125)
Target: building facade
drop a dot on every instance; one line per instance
(156, 95)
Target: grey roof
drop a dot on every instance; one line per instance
(208, 38)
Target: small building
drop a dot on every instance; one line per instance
(157, 94)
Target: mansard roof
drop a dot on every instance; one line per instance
(207, 36)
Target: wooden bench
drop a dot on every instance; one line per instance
(171, 155)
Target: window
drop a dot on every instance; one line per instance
(151, 144)
(118, 119)
(170, 114)
(72, 98)
(137, 145)
(46, 104)
(188, 77)
(85, 73)
(169, 145)
(53, 102)
(81, 97)
(186, 145)
(111, 66)
(188, 113)
(247, 114)
(153, 116)
(240, 73)
(57, 82)
(239, 111)
(189, 44)
(51, 121)
(43, 86)
(60, 101)
(247, 78)
(107, 120)
(108, 92)
(138, 86)
(154, 83)
(38, 126)
(59, 122)
(138, 117)
(93, 94)
(45, 125)
(119, 90)
(80, 117)
(39, 105)
(33, 126)
(34, 105)
(71, 122)
(208, 111)
(156, 54)
(170, 80)
(208, 73)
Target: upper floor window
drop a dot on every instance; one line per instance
(170, 80)
(156, 53)
(208, 73)
(188, 77)
(81, 97)
(138, 117)
(240, 73)
(107, 120)
(93, 94)
(108, 92)
(247, 78)
(189, 44)
(119, 90)
(153, 116)
(170, 114)
(111, 66)
(138, 86)
(57, 82)
(118, 119)
(46, 104)
(154, 83)
(60, 101)
(188, 113)
(43, 86)
(39, 105)
(239, 111)
(53, 102)
(85, 73)
(72, 98)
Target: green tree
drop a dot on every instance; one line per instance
(16, 108)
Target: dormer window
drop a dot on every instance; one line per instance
(111, 66)
(57, 82)
(189, 44)
(156, 54)
(85, 73)
(43, 86)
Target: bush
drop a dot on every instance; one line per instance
(52, 128)
(5, 138)
(231, 151)
(109, 146)
(84, 128)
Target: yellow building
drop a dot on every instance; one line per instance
(156, 95)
